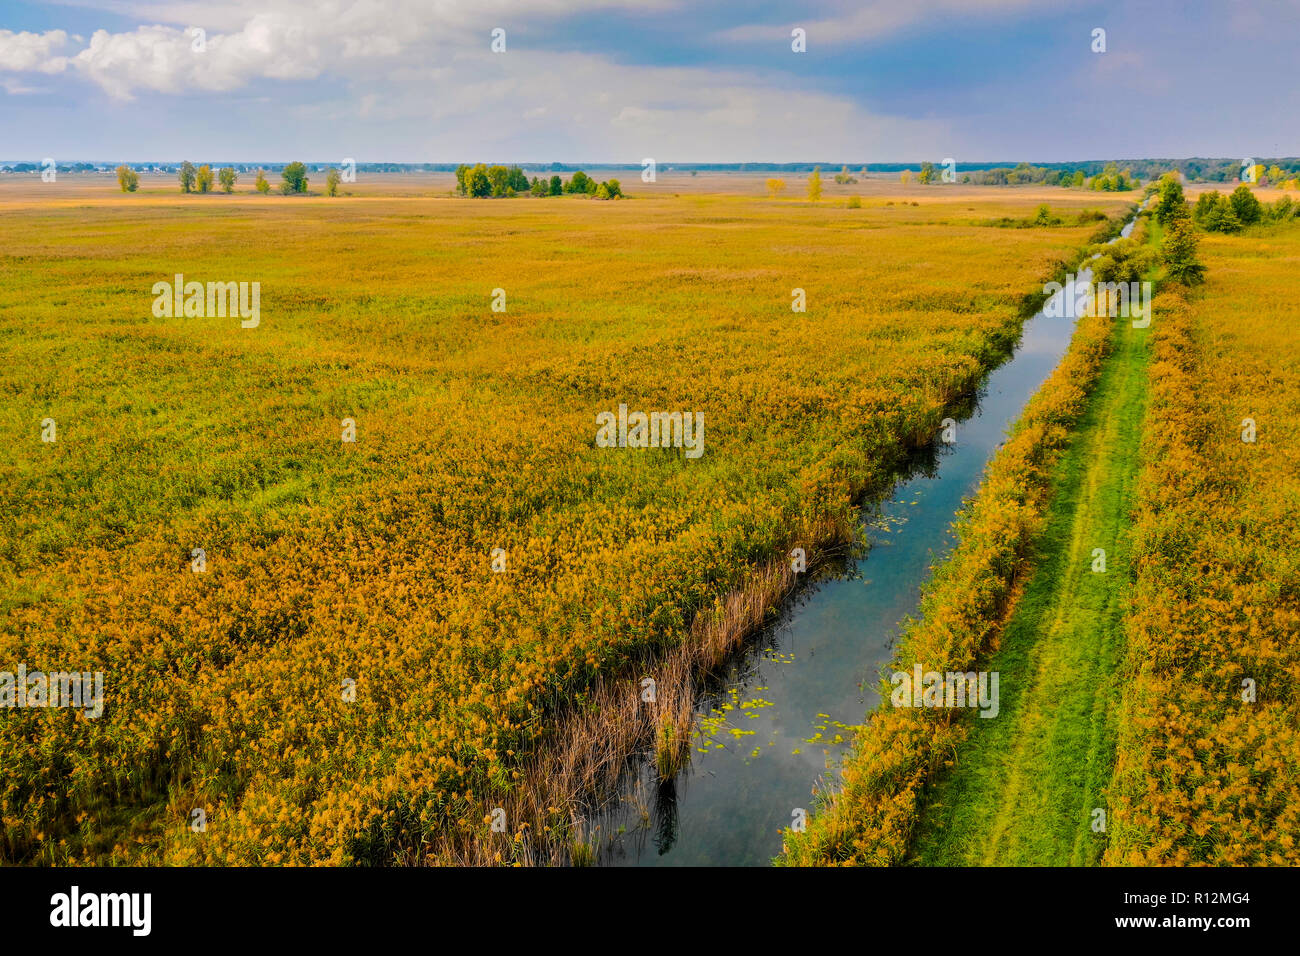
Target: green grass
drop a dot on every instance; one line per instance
(1026, 783)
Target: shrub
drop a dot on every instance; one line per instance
(1246, 206)
(127, 179)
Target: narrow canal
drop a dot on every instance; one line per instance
(778, 724)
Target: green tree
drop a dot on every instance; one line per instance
(1180, 253)
(187, 177)
(293, 178)
(1077, 178)
(332, 179)
(1218, 216)
(539, 187)
(580, 182)
(261, 185)
(227, 177)
(517, 180)
(127, 179)
(926, 174)
(615, 189)
(1246, 206)
(1205, 203)
(557, 186)
(499, 177)
(815, 184)
(204, 179)
(602, 191)
(462, 179)
(1172, 205)
(480, 186)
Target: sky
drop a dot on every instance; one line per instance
(620, 81)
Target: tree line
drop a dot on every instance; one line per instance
(1215, 212)
(481, 181)
(202, 179)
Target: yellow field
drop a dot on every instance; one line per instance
(1209, 751)
(328, 562)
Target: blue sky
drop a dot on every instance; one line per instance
(622, 80)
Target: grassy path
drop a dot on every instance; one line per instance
(1024, 787)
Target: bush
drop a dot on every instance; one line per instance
(127, 179)
(1246, 206)
(1125, 260)
(1214, 213)
(1043, 217)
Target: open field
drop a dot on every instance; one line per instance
(992, 201)
(1208, 754)
(348, 677)
(1023, 791)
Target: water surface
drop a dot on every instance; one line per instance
(782, 718)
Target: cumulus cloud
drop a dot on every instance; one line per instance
(277, 39)
(425, 65)
(172, 60)
(32, 52)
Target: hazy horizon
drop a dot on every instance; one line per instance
(853, 165)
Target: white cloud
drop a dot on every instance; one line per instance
(585, 106)
(276, 39)
(419, 78)
(32, 52)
